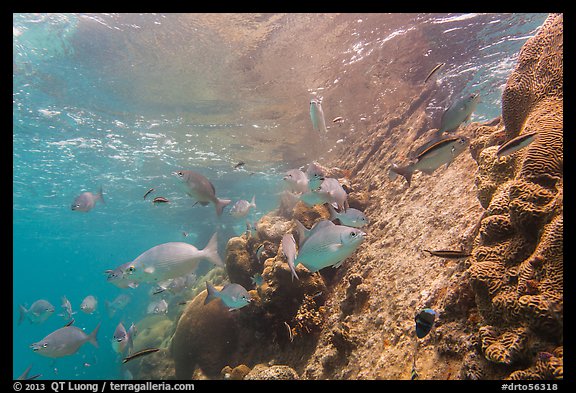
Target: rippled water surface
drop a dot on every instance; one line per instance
(121, 101)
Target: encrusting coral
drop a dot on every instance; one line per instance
(517, 261)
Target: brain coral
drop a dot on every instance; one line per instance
(516, 267)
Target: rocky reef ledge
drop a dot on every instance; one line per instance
(499, 311)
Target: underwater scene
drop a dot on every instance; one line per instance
(287, 196)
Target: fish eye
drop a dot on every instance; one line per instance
(45, 345)
(130, 269)
(179, 173)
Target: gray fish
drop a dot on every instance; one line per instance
(317, 117)
(202, 190)
(440, 153)
(234, 296)
(64, 341)
(158, 307)
(25, 377)
(331, 191)
(86, 201)
(296, 181)
(242, 207)
(117, 304)
(89, 304)
(170, 260)
(434, 70)
(123, 339)
(351, 217)
(316, 175)
(67, 315)
(513, 145)
(38, 312)
(457, 113)
(328, 245)
(289, 250)
(118, 277)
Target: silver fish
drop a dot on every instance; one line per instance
(117, 304)
(234, 296)
(296, 181)
(351, 217)
(434, 70)
(123, 339)
(158, 307)
(86, 201)
(38, 312)
(67, 315)
(242, 207)
(513, 145)
(316, 175)
(328, 245)
(170, 260)
(289, 250)
(440, 153)
(331, 191)
(89, 304)
(457, 113)
(202, 190)
(118, 277)
(317, 117)
(64, 341)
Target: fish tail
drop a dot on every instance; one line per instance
(220, 204)
(92, 336)
(253, 201)
(405, 171)
(23, 312)
(302, 233)
(333, 213)
(210, 252)
(211, 293)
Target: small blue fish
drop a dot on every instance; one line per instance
(234, 296)
(38, 312)
(242, 207)
(257, 279)
(458, 112)
(424, 321)
(351, 217)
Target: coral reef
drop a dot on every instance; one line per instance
(275, 372)
(517, 259)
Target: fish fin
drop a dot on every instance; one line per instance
(149, 270)
(210, 293)
(23, 312)
(333, 213)
(210, 252)
(253, 201)
(92, 336)
(338, 264)
(303, 233)
(220, 204)
(405, 171)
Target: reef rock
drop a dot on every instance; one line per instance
(276, 372)
(205, 337)
(517, 261)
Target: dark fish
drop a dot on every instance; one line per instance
(25, 377)
(449, 254)
(437, 68)
(160, 200)
(239, 165)
(513, 145)
(424, 321)
(148, 192)
(290, 336)
(143, 352)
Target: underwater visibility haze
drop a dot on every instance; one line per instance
(117, 105)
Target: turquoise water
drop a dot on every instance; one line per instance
(122, 101)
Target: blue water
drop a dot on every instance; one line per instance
(122, 101)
